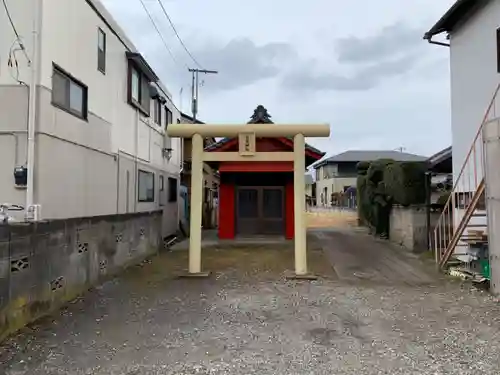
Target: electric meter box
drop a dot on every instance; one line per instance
(21, 176)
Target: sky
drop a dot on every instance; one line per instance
(360, 66)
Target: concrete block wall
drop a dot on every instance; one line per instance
(44, 265)
(408, 227)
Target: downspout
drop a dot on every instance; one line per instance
(181, 155)
(428, 229)
(181, 169)
(32, 110)
(118, 183)
(136, 155)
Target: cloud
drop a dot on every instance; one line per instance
(390, 41)
(362, 63)
(241, 62)
(368, 80)
(365, 78)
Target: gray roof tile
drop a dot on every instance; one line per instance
(370, 155)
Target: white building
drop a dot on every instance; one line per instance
(472, 29)
(338, 173)
(473, 36)
(99, 115)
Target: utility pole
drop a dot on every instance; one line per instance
(194, 88)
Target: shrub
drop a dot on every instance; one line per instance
(376, 170)
(360, 192)
(405, 182)
(362, 167)
(384, 182)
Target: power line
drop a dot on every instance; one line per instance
(159, 32)
(177, 34)
(10, 18)
(18, 37)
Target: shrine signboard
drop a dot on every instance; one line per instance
(246, 144)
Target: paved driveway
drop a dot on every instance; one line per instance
(375, 312)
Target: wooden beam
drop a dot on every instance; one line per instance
(258, 156)
(260, 130)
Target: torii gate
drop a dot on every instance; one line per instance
(247, 134)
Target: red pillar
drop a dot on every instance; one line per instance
(289, 210)
(226, 211)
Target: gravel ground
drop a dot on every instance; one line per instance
(246, 319)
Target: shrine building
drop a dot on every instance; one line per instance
(262, 169)
(257, 197)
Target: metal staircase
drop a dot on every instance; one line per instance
(462, 225)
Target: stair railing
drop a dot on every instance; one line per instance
(463, 201)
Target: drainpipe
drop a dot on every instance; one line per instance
(428, 181)
(32, 110)
(181, 156)
(181, 169)
(136, 156)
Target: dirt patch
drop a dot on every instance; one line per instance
(331, 219)
(250, 262)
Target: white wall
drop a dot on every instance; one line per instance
(75, 50)
(21, 12)
(82, 165)
(474, 78)
(333, 185)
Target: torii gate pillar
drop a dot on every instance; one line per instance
(198, 131)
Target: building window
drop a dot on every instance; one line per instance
(157, 111)
(318, 174)
(101, 51)
(161, 188)
(68, 93)
(146, 186)
(135, 85)
(172, 189)
(168, 117)
(498, 50)
(326, 171)
(138, 91)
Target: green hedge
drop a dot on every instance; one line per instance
(362, 167)
(383, 183)
(405, 182)
(360, 194)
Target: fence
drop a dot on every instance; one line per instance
(346, 203)
(43, 265)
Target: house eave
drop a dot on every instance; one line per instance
(440, 157)
(143, 65)
(459, 13)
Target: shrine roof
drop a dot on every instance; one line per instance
(223, 141)
(262, 116)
